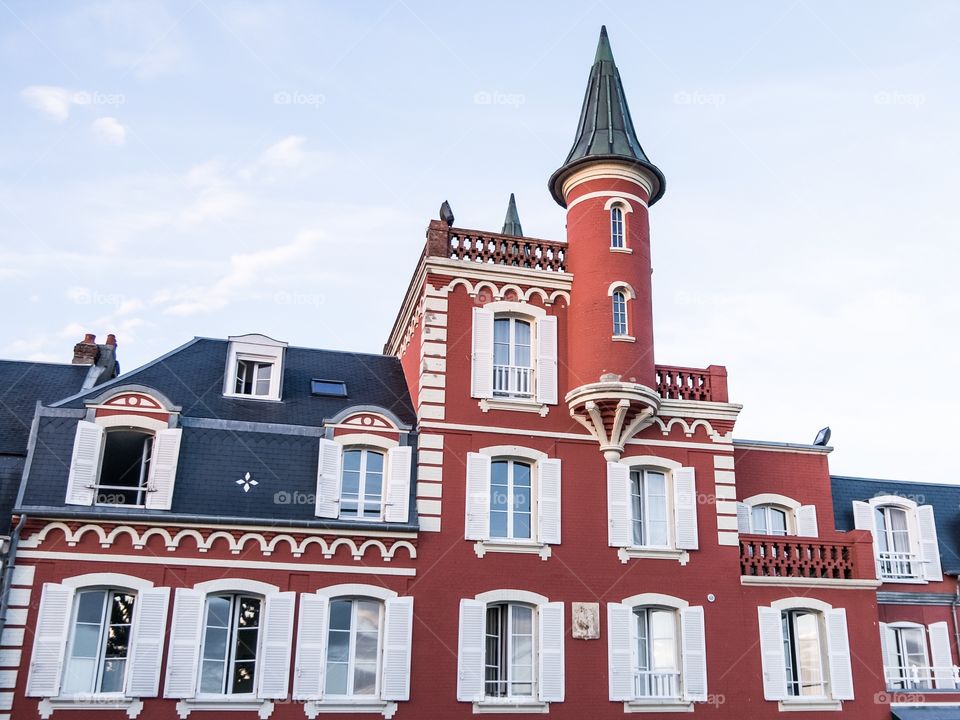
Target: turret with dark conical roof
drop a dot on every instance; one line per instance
(605, 131)
(511, 223)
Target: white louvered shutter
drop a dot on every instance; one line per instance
(397, 647)
(888, 647)
(311, 648)
(184, 651)
(685, 502)
(481, 383)
(863, 519)
(806, 517)
(50, 640)
(551, 640)
(328, 479)
(743, 517)
(146, 648)
(163, 469)
(620, 651)
(548, 501)
(275, 645)
(84, 464)
(477, 522)
(619, 514)
(547, 360)
(838, 653)
(940, 655)
(398, 484)
(694, 649)
(470, 651)
(772, 654)
(929, 546)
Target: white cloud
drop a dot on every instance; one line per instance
(50, 100)
(108, 130)
(288, 153)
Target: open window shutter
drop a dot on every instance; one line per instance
(838, 652)
(184, 652)
(888, 646)
(146, 649)
(311, 648)
(685, 502)
(772, 654)
(619, 531)
(743, 517)
(940, 656)
(477, 523)
(470, 655)
(547, 360)
(929, 546)
(398, 484)
(548, 501)
(163, 469)
(50, 640)
(694, 654)
(551, 640)
(863, 519)
(277, 634)
(397, 645)
(328, 479)
(85, 464)
(620, 651)
(481, 385)
(806, 517)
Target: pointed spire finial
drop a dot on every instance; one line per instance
(511, 223)
(604, 52)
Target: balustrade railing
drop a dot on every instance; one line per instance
(656, 684)
(796, 557)
(492, 248)
(512, 381)
(919, 677)
(898, 566)
(678, 383)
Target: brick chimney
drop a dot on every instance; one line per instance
(86, 351)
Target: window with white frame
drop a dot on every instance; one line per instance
(231, 640)
(910, 663)
(656, 651)
(513, 496)
(619, 299)
(651, 504)
(905, 543)
(777, 515)
(361, 494)
(254, 367)
(805, 652)
(768, 520)
(353, 648)
(125, 468)
(98, 635)
(514, 354)
(616, 227)
(510, 650)
(253, 377)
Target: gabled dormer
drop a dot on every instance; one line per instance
(254, 367)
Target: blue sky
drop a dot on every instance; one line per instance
(212, 168)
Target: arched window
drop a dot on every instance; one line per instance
(231, 636)
(509, 668)
(512, 357)
(657, 670)
(511, 499)
(353, 647)
(361, 493)
(803, 653)
(616, 227)
(125, 468)
(768, 520)
(907, 665)
(97, 651)
(893, 542)
(619, 313)
(648, 496)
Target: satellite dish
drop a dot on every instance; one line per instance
(823, 437)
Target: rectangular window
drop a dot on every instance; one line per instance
(510, 500)
(509, 651)
(230, 643)
(619, 313)
(353, 648)
(803, 654)
(100, 638)
(768, 520)
(648, 490)
(361, 493)
(125, 468)
(328, 388)
(896, 559)
(253, 378)
(911, 669)
(616, 227)
(512, 358)
(657, 673)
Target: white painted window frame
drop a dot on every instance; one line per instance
(669, 552)
(254, 348)
(625, 209)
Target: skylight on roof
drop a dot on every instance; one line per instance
(328, 388)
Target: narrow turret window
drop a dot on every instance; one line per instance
(619, 313)
(616, 227)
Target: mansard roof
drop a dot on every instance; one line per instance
(22, 385)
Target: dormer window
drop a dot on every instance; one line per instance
(254, 367)
(253, 378)
(125, 468)
(905, 543)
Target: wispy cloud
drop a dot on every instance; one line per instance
(55, 102)
(109, 131)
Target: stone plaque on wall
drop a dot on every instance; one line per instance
(586, 621)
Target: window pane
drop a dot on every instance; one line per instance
(364, 679)
(663, 627)
(243, 675)
(778, 522)
(498, 524)
(246, 644)
(758, 518)
(121, 609)
(366, 648)
(118, 639)
(521, 526)
(249, 615)
(522, 620)
(521, 474)
(338, 649)
(218, 612)
(112, 680)
(340, 611)
(215, 643)
(90, 606)
(374, 462)
(351, 460)
(336, 679)
(368, 615)
(86, 641)
(211, 676)
(78, 677)
(263, 379)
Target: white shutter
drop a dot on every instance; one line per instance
(743, 517)
(311, 648)
(184, 651)
(838, 653)
(481, 384)
(397, 646)
(772, 654)
(163, 469)
(85, 464)
(929, 546)
(50, 640)
(477, 522)
(146, 648)
(470, 651)
(888, 647)
(806, 517)
(863, 519)
(940, 655)
(694, 649)
(276, 635)
(398, 484)
(551, 640)
(619, 530)
(547, 360)
(685, 502)
(548, 501)
(620, 651)
(328, 479)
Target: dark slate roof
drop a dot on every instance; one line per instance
(191, 377)
(945, 500)
(605, 131)
(22, 384)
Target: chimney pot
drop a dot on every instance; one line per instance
(86, 351)
(112, 339)
(89, 339)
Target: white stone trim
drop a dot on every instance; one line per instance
(530, 707)
(723, 462)
(132, 706)
(358, 589)
(801, 603)
(512, 306)
(428, 507)
(482, 547)
(648, 599)
(313, 708)
(834, 583)
(496, 451)
(430, 473)
(678, 706)
(488, 404)
(132, 420)
(256, 587)
(609, 171)
(896, 500)
(618, 200)
(118, 580)
(801, 705)
(23, 574)
(724, 477)
(512, 595)
(646, 553)
(651, 461)
(429, 489)
(263, 708)
(429, 524)
(366, 439)
(622, 285)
